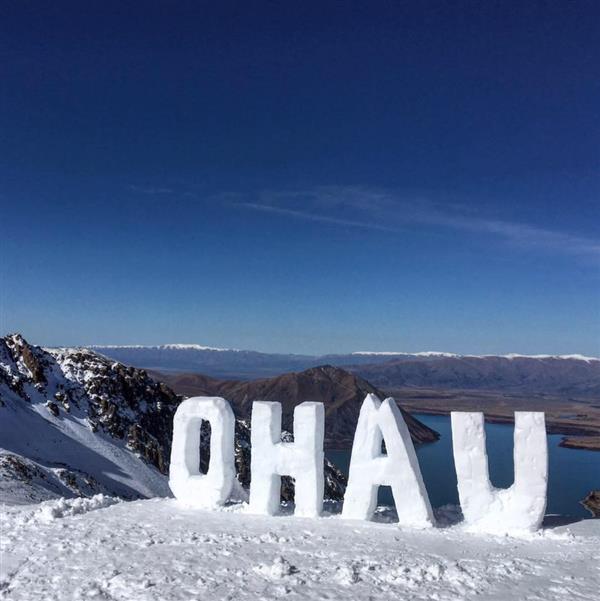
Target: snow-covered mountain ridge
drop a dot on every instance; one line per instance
(176, 346)
(73, 422)
(573, 357)
(199, 347)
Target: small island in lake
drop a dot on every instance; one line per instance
(589, 443)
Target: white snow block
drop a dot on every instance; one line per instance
(302, 459)
(497, 510)
(370, 468)
(187, 483)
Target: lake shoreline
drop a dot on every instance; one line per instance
(587, 443)
(552, 427)
(571, 475)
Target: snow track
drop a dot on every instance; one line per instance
(155, 550)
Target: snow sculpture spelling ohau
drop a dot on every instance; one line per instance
(485, 508)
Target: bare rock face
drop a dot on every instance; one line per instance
(77, 390)
(592, 503)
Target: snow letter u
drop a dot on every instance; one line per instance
(187, 483)
(302, 459)
(370, 468)
(488, 509)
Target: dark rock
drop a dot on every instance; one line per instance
(592, 503)
(53, 408)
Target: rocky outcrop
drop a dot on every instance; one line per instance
(592, 503)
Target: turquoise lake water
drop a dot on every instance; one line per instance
(572, 473)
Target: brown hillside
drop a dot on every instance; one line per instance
(342, 393)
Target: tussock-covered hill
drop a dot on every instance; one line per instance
(577, 376)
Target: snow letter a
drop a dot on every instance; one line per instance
(489, 509)
(302, 459)
(370, 468)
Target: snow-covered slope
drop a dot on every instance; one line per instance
(73, 422)
(155, 550)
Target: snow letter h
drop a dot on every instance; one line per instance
(302, 459)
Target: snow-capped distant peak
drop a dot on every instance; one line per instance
(574, 357)
(403, 354)
(196, 347)
(178, 346)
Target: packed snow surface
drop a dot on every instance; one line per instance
(157, 550)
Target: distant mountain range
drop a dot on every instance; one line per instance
(558, 374)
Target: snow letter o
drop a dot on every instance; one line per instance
(187, 483)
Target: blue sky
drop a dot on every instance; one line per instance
(306, 177)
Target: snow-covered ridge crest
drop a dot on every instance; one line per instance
(574, 357)
(172, 346)
(73, 422)
(404, 354)
(199, 347)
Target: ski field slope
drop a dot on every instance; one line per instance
(155, 550)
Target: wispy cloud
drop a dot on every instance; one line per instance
(316, 217)
(151, 190)
(383, 210)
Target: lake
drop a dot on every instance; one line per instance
(572, 473)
